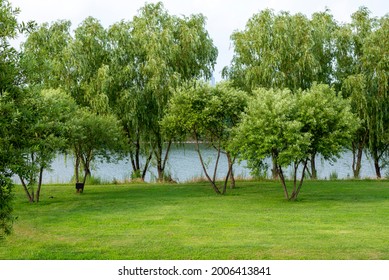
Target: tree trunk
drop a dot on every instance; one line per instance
(135, 160)
(217, 162)
(161, 164)
(274, 169)
(213, 184)
(226, 179)
(77, 168)
(282, 178)
(377, 165)
(230, 167)
(296, 193)
(29, 196)
(143, 175)
(313, 167)
(137, 154)
(38, 191)
(86, 174)
(357, 159)
(86, 162)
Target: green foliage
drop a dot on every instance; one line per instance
(328, 118)
(150, 57)
(363, 72)
(6, 207)
(290, 128)
(88, 54)
(204, 113)
(294, 52)
(43, 58)
(93, 136)
(271, 127)
(43, 128)
(9, 80)
(8, 55)
(282, 51)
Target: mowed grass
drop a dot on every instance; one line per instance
(332, 220)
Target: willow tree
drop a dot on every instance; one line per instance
(43, 57)
(274, 51)
(87, 65)
(283, 51)
(375, 62)
(126, 98)
(152, 55)
(362, 74)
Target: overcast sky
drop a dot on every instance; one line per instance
(223, 16)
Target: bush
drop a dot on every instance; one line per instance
(6, 218)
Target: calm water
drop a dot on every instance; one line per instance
(184, 165)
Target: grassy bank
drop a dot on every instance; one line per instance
(332, 220)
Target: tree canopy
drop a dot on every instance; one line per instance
(150, 57)
(297, 87)
(8, 115)
(206, 114)
(290, 128)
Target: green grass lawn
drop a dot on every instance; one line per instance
(332, 220)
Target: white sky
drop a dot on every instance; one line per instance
(223, 16)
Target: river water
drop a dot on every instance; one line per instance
(184, 165)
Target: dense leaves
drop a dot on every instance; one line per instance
(150, 57)
(204, 113)
(290, 128)
(43, 125)
(93, 136)
(133, 88)
(8, 116)
(362, 57)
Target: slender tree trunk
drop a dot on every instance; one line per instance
(217, 162)
(29, 196)
(166, 155)
(161, 163)
(146, 167)
(274, 170)
(213, 184)
(86, 162)
(158, 156)
(230, 167)
(38, 191)
(357, 159)
(77, 168)
(86, 174)
(295, 167)
(282, 178)
(226, 179)
(135, 160)
(377, 165)
(313, 167)
(296, 193)
(137, 155)
(132, 160)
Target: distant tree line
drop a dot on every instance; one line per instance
(296, 88)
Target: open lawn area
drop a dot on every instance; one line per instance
(331, 220)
